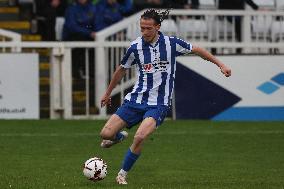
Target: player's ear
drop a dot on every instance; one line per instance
(158, 26)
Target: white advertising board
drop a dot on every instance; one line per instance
(258, 82)
(19, 86)
(248, 73)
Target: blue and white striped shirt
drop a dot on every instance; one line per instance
(155, 66)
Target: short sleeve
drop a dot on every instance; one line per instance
(128, 59)
(182, 47)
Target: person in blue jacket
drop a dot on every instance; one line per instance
(80, 21)
(81, 25)
(111, 11)
(126, 7)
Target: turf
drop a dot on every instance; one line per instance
(181, 154)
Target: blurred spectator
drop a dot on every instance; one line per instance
(194, 4)
(145, 4)
(126, 7)
(181, 4)
(95, 2)
(80, 21)
(46, 12)
(236, 5)
(110, 12)
(81, 25)
(176, 4)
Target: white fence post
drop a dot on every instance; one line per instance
(55, 85)
(67, 83)
(101, 77)
(246, 31)
(61, 84)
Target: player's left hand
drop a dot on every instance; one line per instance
(106, 100)
(226, 71)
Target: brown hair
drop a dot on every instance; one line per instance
(156, 15)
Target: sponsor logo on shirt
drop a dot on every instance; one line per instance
(157, 66)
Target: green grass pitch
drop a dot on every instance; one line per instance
(180, 154)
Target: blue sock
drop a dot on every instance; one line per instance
(118, 136)
(129, 160)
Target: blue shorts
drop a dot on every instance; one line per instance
(133, 113)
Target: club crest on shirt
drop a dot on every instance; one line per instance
(157, 66)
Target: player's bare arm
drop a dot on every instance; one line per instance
(116, 78)
(209, 57)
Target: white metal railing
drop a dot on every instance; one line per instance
(197, 24)
(6, 35)
(112, 42)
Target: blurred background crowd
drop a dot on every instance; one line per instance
(83, 18)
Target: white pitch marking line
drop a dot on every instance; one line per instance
(160, 133)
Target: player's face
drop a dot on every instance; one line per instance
(149, 29)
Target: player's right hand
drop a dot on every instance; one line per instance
(226, 70)
(106, 100)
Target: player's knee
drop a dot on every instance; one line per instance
(105, 134)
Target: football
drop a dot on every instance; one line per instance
(95, 169)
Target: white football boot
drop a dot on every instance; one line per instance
(120, 179)
(109, 143)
